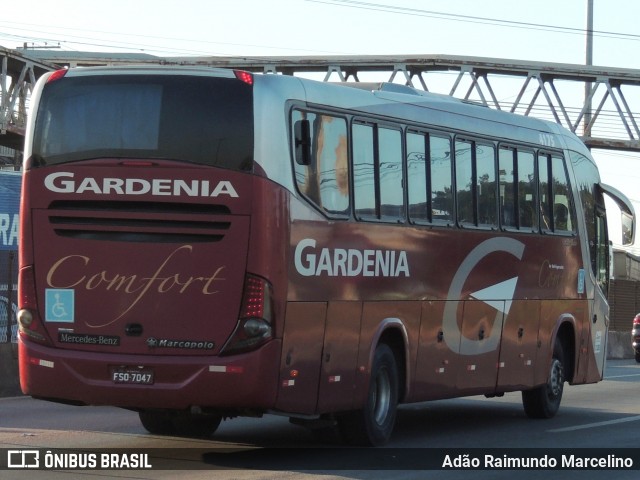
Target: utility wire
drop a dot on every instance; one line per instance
(362, 5)
(54, 35)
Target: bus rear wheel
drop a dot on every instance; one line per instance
(544, 401)
(373, 424)
(181, 423)
(157, 422)
(198, 426)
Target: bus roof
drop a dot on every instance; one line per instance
(150, 70)
(396, 101)
(435, 110)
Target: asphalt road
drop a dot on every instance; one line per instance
(601, 416)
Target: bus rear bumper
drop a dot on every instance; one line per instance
(246, 381)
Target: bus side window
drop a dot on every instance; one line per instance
(563, 209)
(527, 196)
(506, 168)
(417, 177)
(476, 188)
(545, 192)
(323, 175)
(378, 173)
(440, 162)
(486, 185)
(364, 175)
(587, 178)
(464, 183)
(602, 249)
(560, 217)
(391, 174)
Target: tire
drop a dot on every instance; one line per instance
(544, 401)
(196, 426)
(373, 424)
(157, 422)
(638, 357)
(184, 424)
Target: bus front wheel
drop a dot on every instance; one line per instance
(544, 401)
(373, 424)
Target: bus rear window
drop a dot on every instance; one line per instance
(201, 120)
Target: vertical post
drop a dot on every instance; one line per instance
(589, 61)
(10, 316)
(17, 160)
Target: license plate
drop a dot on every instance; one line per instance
(132, 375)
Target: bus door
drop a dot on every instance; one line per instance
(460, 355)
(302, 342)
(599, 315)
(519, 345)
(600, 262)
(438, 364)
(319, 357)
(482, 322)
(339, 357)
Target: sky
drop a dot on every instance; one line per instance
(537, 30)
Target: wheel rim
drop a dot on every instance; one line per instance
(381, 396)
(556, 379)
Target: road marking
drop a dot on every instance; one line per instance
(596, 424)
(623, 376)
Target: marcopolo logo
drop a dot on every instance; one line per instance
(153, 342)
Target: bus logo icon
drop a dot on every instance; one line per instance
(59, 304)
(23, 459)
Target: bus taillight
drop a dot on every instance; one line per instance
(57, 75)
(255, 323)
(246, 77)
(256, 301)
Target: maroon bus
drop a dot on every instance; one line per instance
(199, 244)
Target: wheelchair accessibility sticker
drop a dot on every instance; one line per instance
(59, 304)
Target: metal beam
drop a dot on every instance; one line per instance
(553, 91)
(18, 74)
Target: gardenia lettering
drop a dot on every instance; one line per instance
(64, 182)
(340, 262)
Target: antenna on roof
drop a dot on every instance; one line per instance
(25, 46)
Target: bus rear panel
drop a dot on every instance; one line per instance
(138, 195)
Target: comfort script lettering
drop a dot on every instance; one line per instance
(78, 274)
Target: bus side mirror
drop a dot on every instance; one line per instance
(628, 228)
(628, 214)
(302, 132)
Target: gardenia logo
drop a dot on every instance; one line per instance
(65, 182)
(340, 262)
